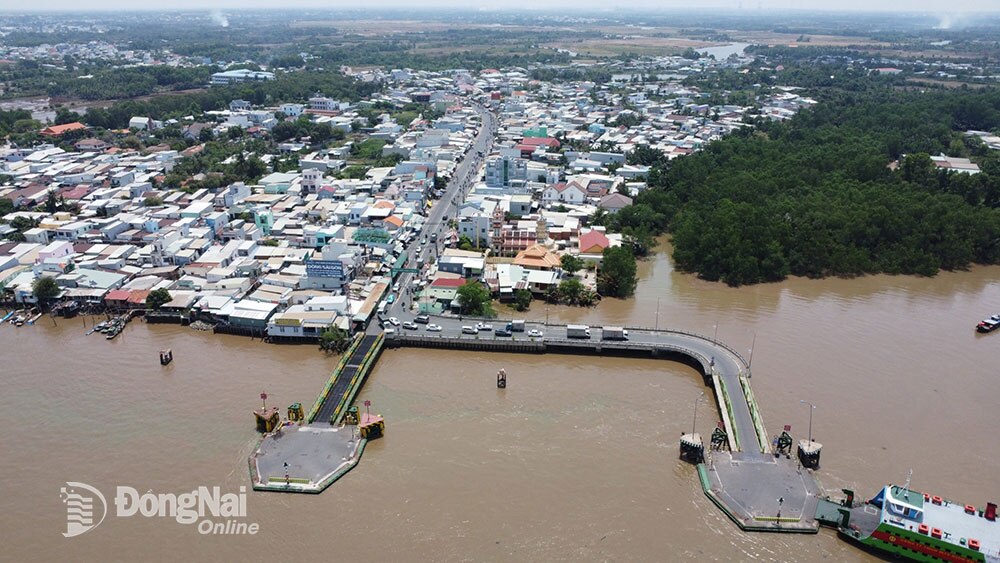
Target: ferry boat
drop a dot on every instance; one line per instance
(989, 325)
(923, 527)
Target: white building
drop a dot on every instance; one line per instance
(292, 110)
(241, 75)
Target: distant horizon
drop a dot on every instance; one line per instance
(581, 7)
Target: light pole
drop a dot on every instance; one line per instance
(716, 337)
(752, 345)
(694, 423)
(657, 313)
(812, 407)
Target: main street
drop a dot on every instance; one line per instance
(465, 176)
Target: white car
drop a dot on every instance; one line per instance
(433, 328)
(535, 332)
(484, 326)
(395, 287)
(393, 321)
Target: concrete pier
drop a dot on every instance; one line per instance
(756, 489)
(316, 456)
(762, 493)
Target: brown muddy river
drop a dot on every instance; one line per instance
(575, 461)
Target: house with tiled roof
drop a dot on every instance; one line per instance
(60, 130)
(614, 202)
(537, 257)
(593, 242)
(571, 192)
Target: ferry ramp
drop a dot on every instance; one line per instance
(346, 379)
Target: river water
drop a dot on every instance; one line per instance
(723, 52)
(575, 461)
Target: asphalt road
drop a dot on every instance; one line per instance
(465, 176)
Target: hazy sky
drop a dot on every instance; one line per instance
(935, 6)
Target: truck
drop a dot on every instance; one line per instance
(577, 331)
(515, 326)
(614, 333)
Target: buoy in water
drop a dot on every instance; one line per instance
(501, 379)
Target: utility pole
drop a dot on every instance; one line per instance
(694, 423)
(750, 362)
(812, 407)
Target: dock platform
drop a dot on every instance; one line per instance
(761, 492)
(316, 456)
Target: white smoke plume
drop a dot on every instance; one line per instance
(220, 18)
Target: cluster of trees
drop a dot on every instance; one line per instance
(522, 300)
(334, 340)
(617, 276)
(17, 121)
(114, 83)
(158, 298)
(303, 127)
(214, 160)
(572, 291)
(285, 88)
(815, 196)
(475, 299)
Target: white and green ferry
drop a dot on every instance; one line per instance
(922, 526)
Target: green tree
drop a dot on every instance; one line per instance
(45, 288)
(617, 276)
(152, 201)
(522, 299)
(64, 116)
(571, 291)
(158, 298)
(474, 299)
(51, 203)
(571, 264)
(334, 340)
(465, 243)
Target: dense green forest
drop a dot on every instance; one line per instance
(815, 196)
(98, 82)
(293, 87)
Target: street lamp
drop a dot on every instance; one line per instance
(716, 337)
(694, 423)
(812, 407)
(657, 313)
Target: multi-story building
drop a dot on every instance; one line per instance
(505, 171)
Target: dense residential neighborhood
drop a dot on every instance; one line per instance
(315, 237)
